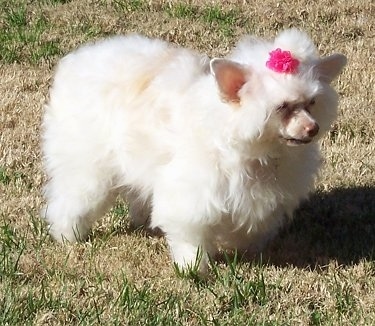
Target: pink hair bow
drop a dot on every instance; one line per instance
(282, 62)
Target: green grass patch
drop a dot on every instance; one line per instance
(4, 176)
(9, 176)
(223, 20)
(21, 36)
(182, 10)
(12, 247)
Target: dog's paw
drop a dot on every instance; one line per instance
(188, 258)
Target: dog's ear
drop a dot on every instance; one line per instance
(330, 67)
(230, 77)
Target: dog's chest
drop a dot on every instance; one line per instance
(253, 204)
(252, 190)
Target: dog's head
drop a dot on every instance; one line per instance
(279, 90)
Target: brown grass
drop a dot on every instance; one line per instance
(320, 270)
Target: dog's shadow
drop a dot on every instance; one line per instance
(337, 225)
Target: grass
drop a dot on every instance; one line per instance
(21, 36)
(320, 270)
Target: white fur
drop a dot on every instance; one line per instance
(144, 119)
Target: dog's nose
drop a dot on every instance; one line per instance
(312, 129)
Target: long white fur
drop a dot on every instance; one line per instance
(146, 120)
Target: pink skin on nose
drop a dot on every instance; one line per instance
(312, 129)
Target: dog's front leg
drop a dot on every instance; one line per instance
(188, 246)
(179, 209)
(188, 238)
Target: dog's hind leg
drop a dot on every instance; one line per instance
(139, 209)
(74, 203)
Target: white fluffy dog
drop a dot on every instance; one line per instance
(215, 153)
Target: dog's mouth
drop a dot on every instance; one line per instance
(297, 142)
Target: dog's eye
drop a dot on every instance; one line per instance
(312, 102)
(282, 107)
